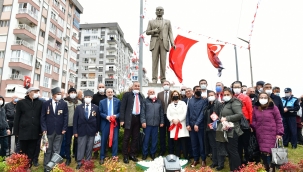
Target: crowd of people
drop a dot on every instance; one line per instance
(191, 123)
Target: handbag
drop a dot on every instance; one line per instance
(244, 123)
(279, 154)
(97, 143)
(253, 147)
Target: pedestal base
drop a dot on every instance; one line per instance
(158, 87)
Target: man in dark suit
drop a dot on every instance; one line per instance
(86, 126)
(203, 84)
(54, 117)
(165, 98)
(131, 106)
(109, 109)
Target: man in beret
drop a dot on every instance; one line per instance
(54, 120)
(86, 124)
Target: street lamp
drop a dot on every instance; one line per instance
(251, 74)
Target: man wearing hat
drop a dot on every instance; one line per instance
(259, 87)
(72, 102)
(86, 124)
(27, 122)
(291, 106)
(54, 120)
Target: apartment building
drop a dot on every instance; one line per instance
(104, 57)
(38, 45)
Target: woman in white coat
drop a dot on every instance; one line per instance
(176, 114)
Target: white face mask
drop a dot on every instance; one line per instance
(268, 91)
(152, 96)
(261, 89)
(58, 97)
(87, 100)
(287, 94)
(237, 90)
(72, 95)
(101, 90)
(263, 101)
(203, 86)
(166, 87)
(36, 95)
(211, 98)
(226, 98)
(244, 92)
(135, 91)
(183, 93)
(1, 102)
(277, 94)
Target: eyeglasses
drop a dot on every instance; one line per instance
(263, 98)
(182, 89)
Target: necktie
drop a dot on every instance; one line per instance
(56, 107)
(110, 108)
(86, 112)
(137, 105)
(165, 101)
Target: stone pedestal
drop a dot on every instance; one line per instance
(158, 87)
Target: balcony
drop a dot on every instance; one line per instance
(111, 56)
(24, 43)
(111, 62)
(51, 57)
(27, 16)
(110, 71)
(111, 49)
(52, 32)
(15, 79)
(57, 47)
(16, 76)
(52, 44)
(112, 41)
(57, 60)
(24, 31)
(88, 77)
(20, 63)
(112, 32)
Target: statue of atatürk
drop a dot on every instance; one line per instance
(161, 35)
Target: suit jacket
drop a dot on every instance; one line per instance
(103, 109)
(161, 97)
(83, 126)
(51, 121)
(165, 32)
(126, 108)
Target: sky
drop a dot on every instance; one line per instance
(276, 42)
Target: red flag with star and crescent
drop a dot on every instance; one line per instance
(177, 56)
(213, 51)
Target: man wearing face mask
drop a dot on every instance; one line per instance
(204, 91)
(259, 87)
(219, 91)
(244, 89)
(194, 124)
(276, 99)
(151, 118)
(4, 129)
(291, 106)
(276, 91)
(54, 122)
(10, 111)
(27, 122)
(72, 103)
(251, 94)
(183, 92)
(164, 97)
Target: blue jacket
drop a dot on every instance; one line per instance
(103, 110)
(194, 115)
(83, 126)
(292, 104)
(51, 121)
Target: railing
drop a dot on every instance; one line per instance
(22, 42)
(22, 60)
(88, 77)
(28, 11)
(52, 44)
(16, 76)
(77, 14)
(47, 71)
(52, 30)
(58, 47)
(26, 27)
(51, 57)
(57, 60)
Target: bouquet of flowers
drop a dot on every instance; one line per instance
(44, 143)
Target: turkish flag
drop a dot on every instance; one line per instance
(213, 51)
(27, 82)
(177, 56)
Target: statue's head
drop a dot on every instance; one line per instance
(159, 11)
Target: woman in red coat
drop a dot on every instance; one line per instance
(267, 123)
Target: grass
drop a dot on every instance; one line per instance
(295, 155)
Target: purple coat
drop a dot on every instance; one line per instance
(267, 124)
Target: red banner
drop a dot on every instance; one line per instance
(213, 51)
(27, 82)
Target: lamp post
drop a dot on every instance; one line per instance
(141, 46)
(251, 74)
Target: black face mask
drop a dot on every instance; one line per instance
(198, 93)
(175, 97)
(252, 95)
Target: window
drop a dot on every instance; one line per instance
(109, 83)
(60, 21)
(7, 8)
(4, 23)
(63, 73)
(63, 10)
(91, 83)
(76, 23)
(83, 84)
(45, 5)
(21, 56)
(2, 54)
(59, 33)
(100, 69)
(53, 16)
(84, 67)
(64, 61)
(37, 77)
(44, 94)
(86, 38)
(100, 62)
(111, 60)
(45, 82)
(56, 2)
(40, 47)
(48, 68)
(42, 33)
(56, 69)
(43, 19)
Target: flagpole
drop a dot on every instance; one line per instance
(251, 73)
(140, 73)
(237, 72)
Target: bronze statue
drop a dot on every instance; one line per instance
(161, 34)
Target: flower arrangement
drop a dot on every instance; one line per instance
(62, 168)
(252, 167)
(157, 164)
(202, 169)
(111, 165)
(87, 166)
(2, 163)
(17, 163)
(291, 167)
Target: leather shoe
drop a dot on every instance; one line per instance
(219, 168)
(133, 158)
(67, 162)
(213, 165)
(144, 157)
(78, 166)
(153, 156)
(125, 160)
(203, 164)
(194, 163)
(101, 162)
(36, 164)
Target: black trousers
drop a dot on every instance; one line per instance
(28, 147)
(243, 144)
(299, 134)
(177, 143)
(165, 135)
(37, 150)
(133, 133)
(232, 150)
(216, 158)
(10, 125)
